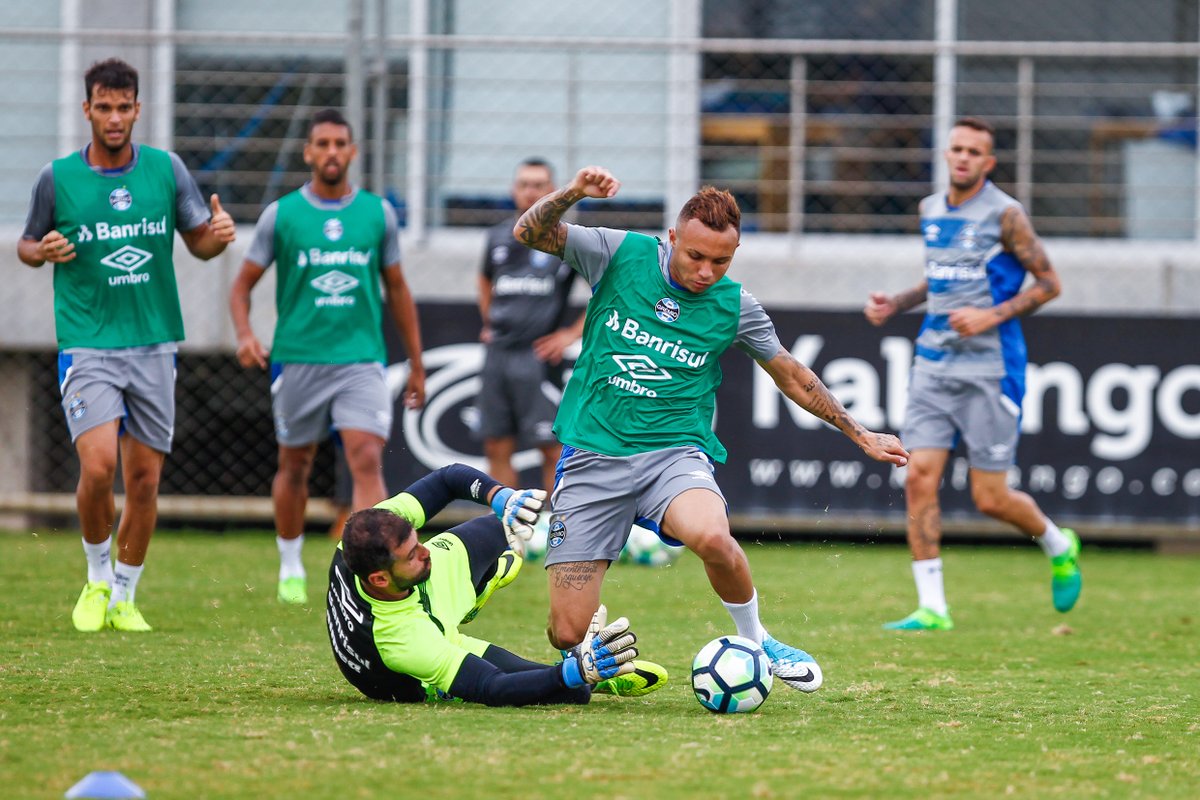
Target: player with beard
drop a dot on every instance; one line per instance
(968, 374)
(332, 243)
(106, 217)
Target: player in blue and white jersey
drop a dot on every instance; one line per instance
(968, 375)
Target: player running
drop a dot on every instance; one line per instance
(106, 217)
(968, 376)
(333, 245)
(394, 605)
(636, 420)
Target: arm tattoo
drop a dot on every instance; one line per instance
(575, 575)
(1018, 237)
(820, 402)
(541, 226)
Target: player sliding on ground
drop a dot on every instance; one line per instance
(636, 420)
(394, 605)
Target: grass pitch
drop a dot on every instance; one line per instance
(234, 696)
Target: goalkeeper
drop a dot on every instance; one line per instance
(394, 605)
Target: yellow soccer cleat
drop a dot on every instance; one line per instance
(124, 616)
(91, 607)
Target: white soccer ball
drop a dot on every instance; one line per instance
(731, 675)
(535, 548)
(646, 548)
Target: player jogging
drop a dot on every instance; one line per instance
(968, 374)
(395, 605)
(637, 415)
(106, 217)
(332, 244)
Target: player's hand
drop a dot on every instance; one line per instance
(517, 510)
(550, 348)
(56, 248)
(879, 308)
(971, 321)
(607, 651)
(221, 224)
(884, 447)
(485, 334)
(595, 182)
(414, 389)
(251, 353)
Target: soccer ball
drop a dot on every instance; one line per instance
(730, 675)
(535, 548)
(646, 548)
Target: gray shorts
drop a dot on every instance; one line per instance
(310, 400)
(137, 389)
(597, 499)
(943, 410)
(517, 398)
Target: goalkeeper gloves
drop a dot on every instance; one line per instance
(517, 510)
(607, 651)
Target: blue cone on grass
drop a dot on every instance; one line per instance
(105, 786)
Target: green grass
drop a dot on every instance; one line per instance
(234, 696)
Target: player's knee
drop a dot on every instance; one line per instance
(294, 469)
(715, 546)
(141, 483)
(920, 483)
(98, 471)
(991, 503)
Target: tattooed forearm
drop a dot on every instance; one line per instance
(815, 398)
(575, 575)
(1019, 238)
(541, 227)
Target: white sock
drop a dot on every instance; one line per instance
(745, 618)
(125, 581)
(290, 564)
(1053, 542)
(99, 560)
(931, 593)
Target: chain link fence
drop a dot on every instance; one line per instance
(825, 119)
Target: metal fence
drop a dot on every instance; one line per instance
(823, 117)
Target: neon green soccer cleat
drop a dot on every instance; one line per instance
(124, 616)
(507, 567)
(646, 677)
(1066, 583)
(293, 592)
(91, 606)
(923, 619)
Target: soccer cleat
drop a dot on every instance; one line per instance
(1066, 582)
(923, 619)
(91, 606)
(507, 567)
(124, 616)
(646, 677)
(792, 665)
(293, 592)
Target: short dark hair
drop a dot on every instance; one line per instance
(331, 115)
(715, 208)
(111, 73)
(535, 161)
(369, 538)
(976, 124)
